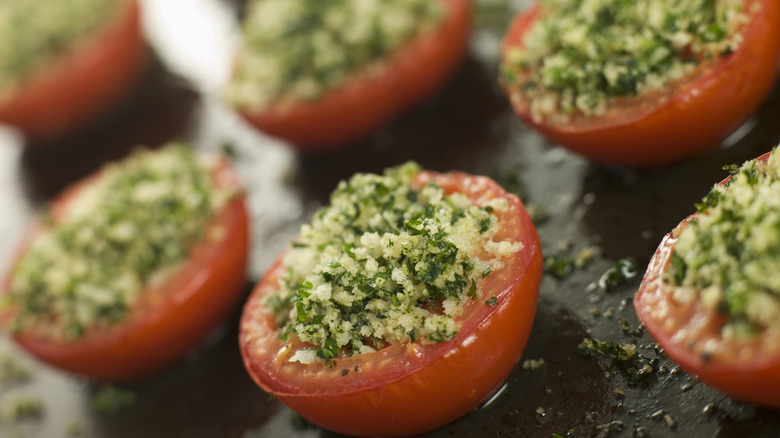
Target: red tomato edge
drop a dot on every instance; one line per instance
(755, 382)
(177, 314)
(71, 92)
(350, 113)
(686, 124)
(479, 355)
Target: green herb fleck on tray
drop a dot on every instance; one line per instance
(622, 356)
(559, 266)
(623, 270)
(12, 372)
(111, 400)
(23, 408)
(533, 365)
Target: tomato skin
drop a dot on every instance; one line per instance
(76, 88)
(748, 370)
(366, 102)
(170, 318)
(408, 389)
(686, 119)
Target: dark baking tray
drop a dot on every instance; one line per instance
(468, 126)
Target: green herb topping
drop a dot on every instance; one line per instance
(582, 53)
(36, 32)
(386, 263)
(299, 49)
(728, 255)
(123, 232)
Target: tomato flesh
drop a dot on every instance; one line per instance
(688, 117)
(407, 389)
(168, 319)
(747, 369)
(71, 92)
(366, 102)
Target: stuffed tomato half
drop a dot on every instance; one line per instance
(403, 305)
(131, 267)
(640, 83)
(711, 294)
(323, 74)
(64, 63)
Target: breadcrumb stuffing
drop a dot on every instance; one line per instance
(386, 263)
(582, 53)
(728, 255)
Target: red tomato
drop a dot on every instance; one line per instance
(748, 369)
(168, 319)
(409, 388)
(686, 118)
(366, 102)
(74, 89)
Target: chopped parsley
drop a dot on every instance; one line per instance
(35, 33)
(729, 253)
(122, 232)
(299, 49)
(582, 53)
(385, 263)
